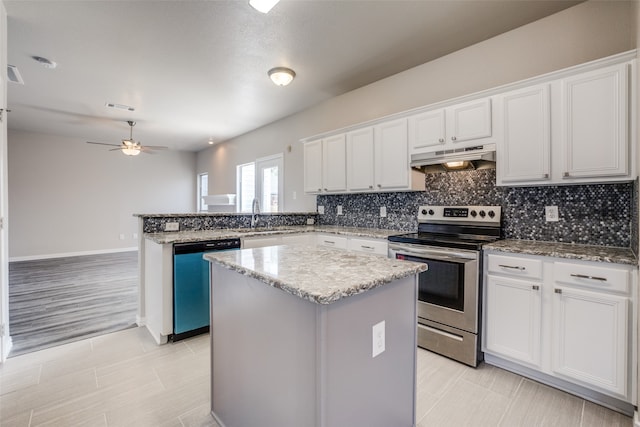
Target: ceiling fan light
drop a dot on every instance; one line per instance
(263, 6)
(281, 76)
(131, 151)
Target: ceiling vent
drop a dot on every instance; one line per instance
(14, 75)
(119, 106)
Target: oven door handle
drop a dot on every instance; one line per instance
(434, 254)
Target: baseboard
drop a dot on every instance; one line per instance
(636, 420)
(140, 321)
(69, 254)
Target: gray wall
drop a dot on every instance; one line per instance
(66, 196)
(582, 33)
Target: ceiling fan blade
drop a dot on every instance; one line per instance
(103, 143)
(116, 149)
(156, 147)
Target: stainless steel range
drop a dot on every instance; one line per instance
(449, 240)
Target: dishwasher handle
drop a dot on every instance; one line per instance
(206, 246)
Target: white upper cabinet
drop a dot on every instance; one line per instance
(452, 127)
(360, 160)
(334, 163)
(313, 167)
(524, 148)
(595, 111)
(391, 155)
(325, 163)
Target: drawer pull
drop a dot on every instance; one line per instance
(535, 287)
(516, 267)
(367, 247)
(584, 276)
(329, 242)
(557, 291)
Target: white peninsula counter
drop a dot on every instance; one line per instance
(308, 336)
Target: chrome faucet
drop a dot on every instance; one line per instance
(255, 210)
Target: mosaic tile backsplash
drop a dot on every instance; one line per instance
(598, 214)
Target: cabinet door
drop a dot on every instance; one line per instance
(360, 166)
(331, 241)
(595, 123)
(590, 338)
(299, 239)
(313, 166)
(334, 163)
(513, 322)
(427, 131)
(391, 155)
(471, 120)
(525, 146)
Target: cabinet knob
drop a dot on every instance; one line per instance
(379, 186)
(546, 175)
(319, 189)
(535, 287)
(453, 138)
(441, 140)
(557, 291)
(371, 187)
(326, 189)
(566, 175)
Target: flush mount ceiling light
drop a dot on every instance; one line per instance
(210, 141)
(46, 63)
(281, 76)
(263, 6)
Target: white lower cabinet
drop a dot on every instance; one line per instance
(513, 319)
(279, 239)
(571, 321)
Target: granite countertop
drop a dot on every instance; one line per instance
(231, 233)
(316, 274)
(566, 250)
(194, 214)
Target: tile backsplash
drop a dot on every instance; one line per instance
(596, 214)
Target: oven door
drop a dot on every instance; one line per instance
(448, 290)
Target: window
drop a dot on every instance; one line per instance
(203, 190)
(261, 179)
(246, 183)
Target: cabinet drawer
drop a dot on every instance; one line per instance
(332, 241)
(597, 277)
(370, 246)
(515, 266)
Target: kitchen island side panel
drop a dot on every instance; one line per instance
(281, 360)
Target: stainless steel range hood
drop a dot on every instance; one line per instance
(477, 157)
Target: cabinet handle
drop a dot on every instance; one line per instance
(326, 189)
(379, 185)
(583, 276)
(453, 138)
(557, 291)
(367, 247)
(441, 140)
(566, 175)
(329, 242)
(535, 287)
(546, 175)
(517, 267)
(319, 189)
(370, 187)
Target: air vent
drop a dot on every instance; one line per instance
(14, 75)
(119, 106)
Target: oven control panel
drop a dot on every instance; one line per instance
(479, 214)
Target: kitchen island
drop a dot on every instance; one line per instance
(309, 336)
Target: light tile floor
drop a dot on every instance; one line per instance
(125, 379)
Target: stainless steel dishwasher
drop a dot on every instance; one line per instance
(191, 286)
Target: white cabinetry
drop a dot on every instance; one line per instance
(524, 147)
(360, 160)
(371, 246)
(457, 126)
(594, 108)
(392, 156)
(332, 241)
(325, 165)
(280, 239)
(513, 299)
(570, 323)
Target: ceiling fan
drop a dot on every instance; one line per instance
(130, 147)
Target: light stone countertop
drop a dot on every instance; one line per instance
(231, 233)
(566, 250)
(315, 274)
(196, 214)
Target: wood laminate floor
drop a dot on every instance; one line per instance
(60, 300)
(125, 379)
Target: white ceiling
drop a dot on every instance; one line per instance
(196, 70)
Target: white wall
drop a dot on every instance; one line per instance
(582, 33)
(66, 196)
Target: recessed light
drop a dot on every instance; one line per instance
(46, 63)
(263, 6)
(210, 141)
(119, 106)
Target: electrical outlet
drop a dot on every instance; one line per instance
(121, 236)
(321, 210)
(295, 195)
(339, 209)
(172, 226)
(378, 339)
(310, 221)
(551, 213)
(383, 211)
(135, 235)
